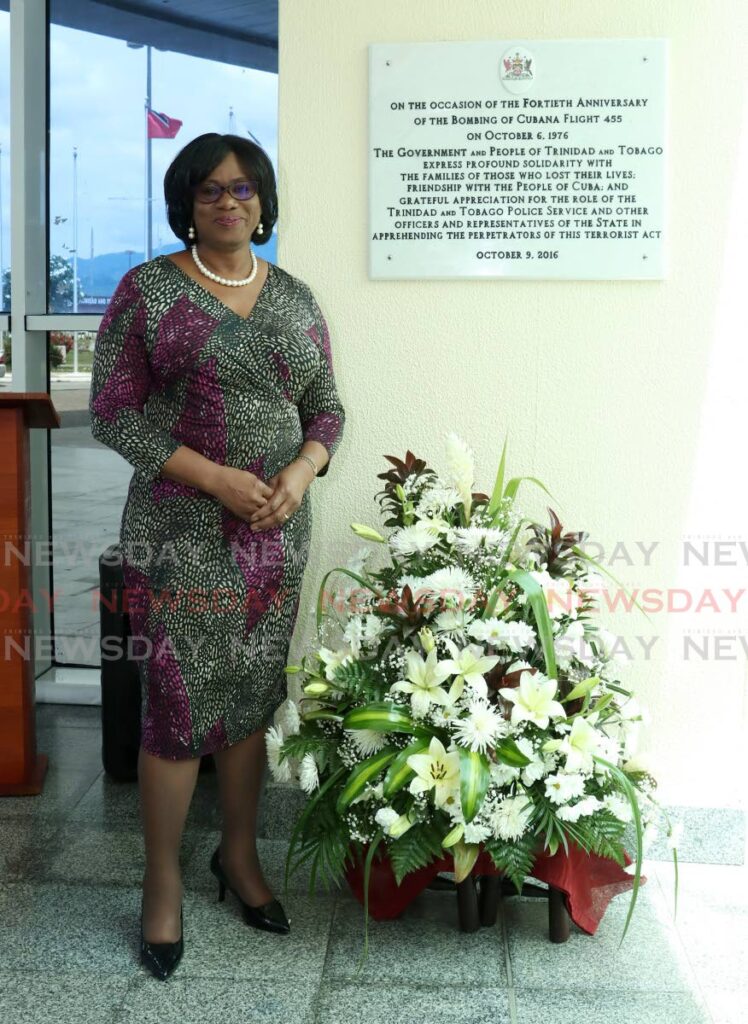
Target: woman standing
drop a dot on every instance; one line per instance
(213, 377)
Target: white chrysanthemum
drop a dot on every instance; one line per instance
(460, 469)
(308, 773)
(415, 539)
(511, 817)
(570, 643)
(288, 718)
(373, 627)
(281, 770)
(562, 787)
(367, 740)
(452, 581)
(618, 807)
(481, 728)
(357, 561)
(502, 774)
(386, 816)
(468, 539)
(476, 832)
(539, 765)
(573, 812)
(353, 633)
(437, 499)
(453, 620)
(511, 636)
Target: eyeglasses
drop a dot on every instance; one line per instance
(211, 191)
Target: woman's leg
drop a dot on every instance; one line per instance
(240, 771)
(166, 789)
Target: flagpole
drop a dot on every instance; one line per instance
(148, 163)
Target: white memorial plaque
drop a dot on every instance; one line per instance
(536, 159)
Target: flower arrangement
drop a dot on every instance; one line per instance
(462, 697)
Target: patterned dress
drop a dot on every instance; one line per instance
(212, 603)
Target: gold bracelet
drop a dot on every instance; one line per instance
(310, 461)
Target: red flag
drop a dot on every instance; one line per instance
(162, 127)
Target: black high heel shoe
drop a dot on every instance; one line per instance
(270, 917)
(161, 957)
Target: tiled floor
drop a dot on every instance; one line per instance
(71, 862)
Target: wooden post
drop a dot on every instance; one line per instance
(558, 918)
(467, 905)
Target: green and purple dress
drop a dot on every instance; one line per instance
(212, 604)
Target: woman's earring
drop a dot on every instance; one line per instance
(259, 228)
(191, 232)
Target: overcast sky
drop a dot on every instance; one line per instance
(97, 97)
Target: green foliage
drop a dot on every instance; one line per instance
(416, 848)
(600, 834)
(324, 844)
(306, 742)
(514, 858)
(360, 681)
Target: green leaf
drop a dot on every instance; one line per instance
(321, 715)
(400, 772)
(513, 486)
(588, 558)
(361, 775)
(304, 817)
(498, 488)
(513, 858)
(630, 793)
(465, 855)
(474, 779)
(382, 717)
(581, 689)
(508, 752)
(346, 572)
(367, 875)
(536, 599)
(415, 849)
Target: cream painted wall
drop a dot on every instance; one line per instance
(626, 398)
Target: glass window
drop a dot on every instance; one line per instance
(98, 150)
(4, 161)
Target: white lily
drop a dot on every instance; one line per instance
(334, 659)
(469, 664)
(533, 699)
(438, 770)
(580, 744)
(423, 681)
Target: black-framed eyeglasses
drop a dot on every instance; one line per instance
(211, 191)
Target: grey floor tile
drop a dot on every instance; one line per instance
(726, 1006)
(386, 1003)
(48, 998)
(70, 746)
(27, 844)
(57, 928)
(63, 788)
(60, 715)
(575, 1005)
(269, 1000)
(716, 944)
(651, 951)
(218, 944)
(101, 856)
(423, 946)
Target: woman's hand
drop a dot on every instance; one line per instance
(240, 491)
(288, 491)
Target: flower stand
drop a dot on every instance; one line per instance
(580, 887)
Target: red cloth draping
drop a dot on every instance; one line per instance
(589, 882)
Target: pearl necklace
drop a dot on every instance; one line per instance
(225, 280)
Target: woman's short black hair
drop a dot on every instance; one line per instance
(194, 163)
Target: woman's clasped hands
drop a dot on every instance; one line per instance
(265, 505)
